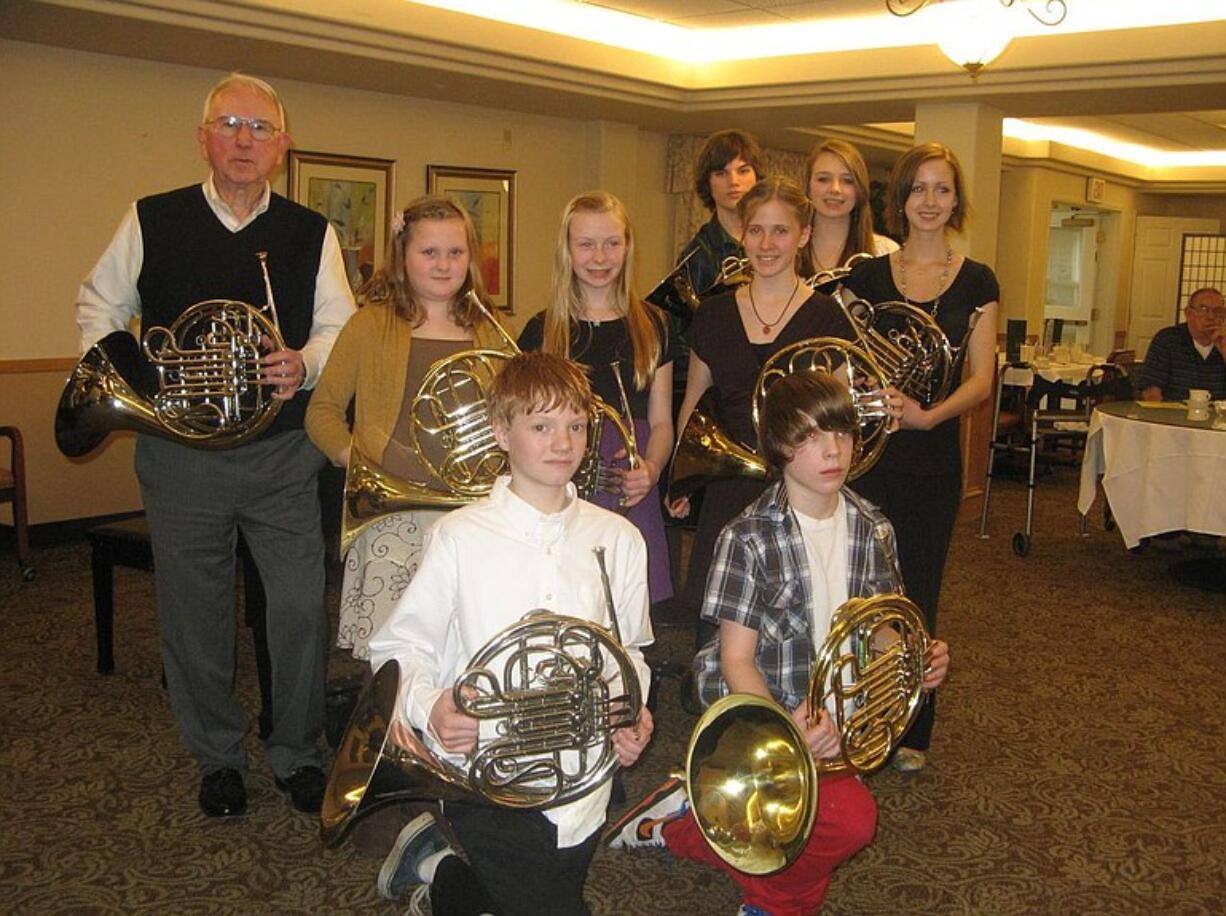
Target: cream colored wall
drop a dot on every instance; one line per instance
(1202, 206)
(1026, 198)
(96, 132)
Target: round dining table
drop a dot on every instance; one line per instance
(1160, 470)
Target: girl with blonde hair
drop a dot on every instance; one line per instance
(595, 318)
(733, 335)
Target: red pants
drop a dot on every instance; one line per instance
(845, 823)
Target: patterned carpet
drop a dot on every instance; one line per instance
(1077, 766)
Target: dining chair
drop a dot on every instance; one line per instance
(13, 490)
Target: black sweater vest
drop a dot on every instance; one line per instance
(189, 256)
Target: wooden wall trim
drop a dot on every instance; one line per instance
(49, 364)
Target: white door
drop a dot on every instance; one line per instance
(1155, 275)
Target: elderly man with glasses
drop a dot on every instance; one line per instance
(171, 251)
(1191, 355)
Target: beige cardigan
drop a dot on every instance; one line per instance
(369, 364)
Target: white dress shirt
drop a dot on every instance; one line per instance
(484, 567)
(108, 299)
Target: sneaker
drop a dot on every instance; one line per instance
(909, 760)
(420, 839)
(643, 824)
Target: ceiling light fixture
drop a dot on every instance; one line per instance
(977, 31)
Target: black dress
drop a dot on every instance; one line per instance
(718, 337)
(917, 482)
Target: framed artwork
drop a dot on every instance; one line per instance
(489, 197)
(354, 194)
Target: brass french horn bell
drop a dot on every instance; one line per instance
(370, 493)
(705, 452)
(752, 783)
(675, 294)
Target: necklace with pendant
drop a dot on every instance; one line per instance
(902, 279)
(768, 325)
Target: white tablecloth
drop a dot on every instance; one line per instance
(1160, 472)
(1053, 372)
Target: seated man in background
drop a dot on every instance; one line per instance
(1191, 355)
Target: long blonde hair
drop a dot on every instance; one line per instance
(644, 327)
(390, 285)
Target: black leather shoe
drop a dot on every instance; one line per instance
(222, 794)
(305, 787)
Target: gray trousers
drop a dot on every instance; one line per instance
(196, 502)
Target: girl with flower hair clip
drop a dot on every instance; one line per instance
(414, 312)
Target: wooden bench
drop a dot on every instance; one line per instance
(127, 543)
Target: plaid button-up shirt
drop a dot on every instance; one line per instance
(760, 579)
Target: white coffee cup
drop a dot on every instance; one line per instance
(1198, 404)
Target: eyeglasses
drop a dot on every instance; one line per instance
(228, 126)
(1217, 311)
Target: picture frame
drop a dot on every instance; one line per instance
(489, 197)
(354, 194)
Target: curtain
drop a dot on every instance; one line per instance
(688, 212)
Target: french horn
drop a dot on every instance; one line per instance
(210, 390)
(906, 342)
(675, 294)
(753, 784)
(908, 345)
(453, 438)
(548, 691)
(827, 280)
(705, 452)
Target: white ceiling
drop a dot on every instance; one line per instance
(1170, 131)
(732, 13)
(1159, 87)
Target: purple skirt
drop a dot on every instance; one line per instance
(647, 516)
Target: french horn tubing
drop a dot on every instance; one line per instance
(827, 280)
(914, 354)
(211, 391)
(907, 344)
(548, 691)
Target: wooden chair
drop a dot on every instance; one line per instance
(13, 490)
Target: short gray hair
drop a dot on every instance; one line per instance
(238, 80)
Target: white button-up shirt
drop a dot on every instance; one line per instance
(484, 567)
(108, 299)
